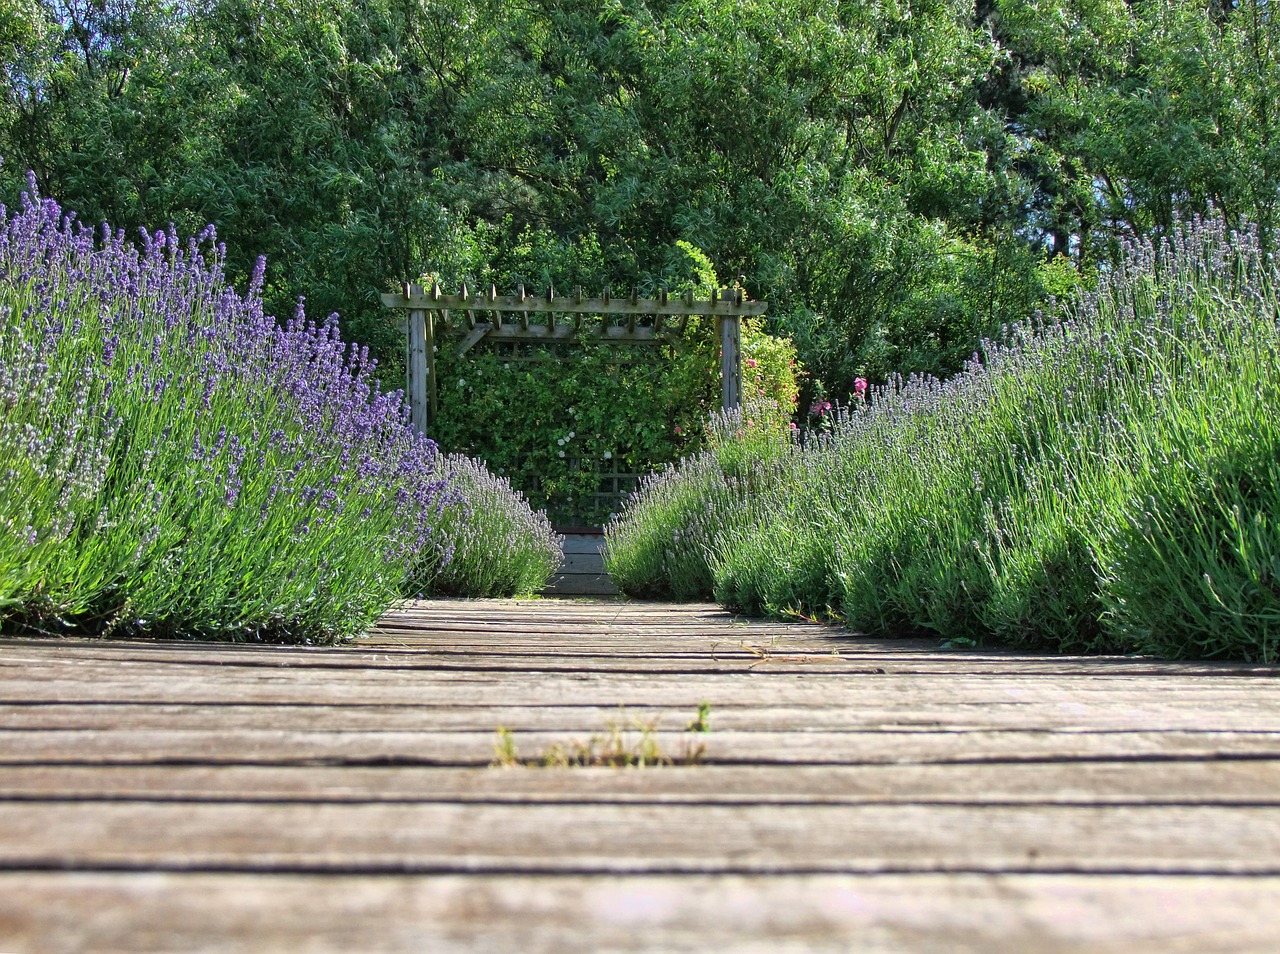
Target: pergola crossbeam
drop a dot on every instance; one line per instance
(631, 320)
(724, 305)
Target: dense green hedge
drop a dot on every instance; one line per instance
(552, 419)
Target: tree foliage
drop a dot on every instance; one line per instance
(898, 177)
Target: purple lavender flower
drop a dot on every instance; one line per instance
(213, 470)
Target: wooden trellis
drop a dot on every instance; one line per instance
(549, 318)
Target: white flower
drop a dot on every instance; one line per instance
(571, 436)
(559, 453)
(462, 382)
(608, 455)
(560, 443)
(506, 367)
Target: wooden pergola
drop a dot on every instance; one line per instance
(471, 318)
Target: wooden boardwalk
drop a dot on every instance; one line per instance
(855, 794)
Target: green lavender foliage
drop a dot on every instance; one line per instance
(488, 541)
(1190, 565)
(1107, 482)
(176, 462)
(662, 543)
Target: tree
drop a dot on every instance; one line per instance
(1135, 115)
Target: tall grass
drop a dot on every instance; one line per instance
(175, 462)
(1105, 482)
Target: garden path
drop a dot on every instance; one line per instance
(856, 793)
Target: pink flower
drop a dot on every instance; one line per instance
(751, 362)
(860, 385)
(678, 431)
(819, 407)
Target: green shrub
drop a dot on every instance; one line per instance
(663, 541)
(1103, 483)
(552, 419)
(1190, 562)
(175, 462)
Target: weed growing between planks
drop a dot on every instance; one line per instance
(625, 743)
(1104, 482)
(702, 721)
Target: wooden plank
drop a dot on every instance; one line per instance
(819, 666)
(878, 715)
(407, 685)
(1249, 782)
(394, 684)
(514, 608)
(730, 362)
(638, 838)
(581, 584)
(582, 543)
(395, 640)
(393, 679)
(419, 401)
(433, 384)
(475, 334)
(591, 563)
(959, 914)
(515, 611)
(524, 332)
(267, 745)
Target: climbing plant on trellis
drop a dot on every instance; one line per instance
(524, 338)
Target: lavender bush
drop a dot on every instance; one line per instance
(488, 541)
(1106, 482)
(662, 542)
(175, 462)
(1190, 562)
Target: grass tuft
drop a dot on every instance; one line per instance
(625, 743)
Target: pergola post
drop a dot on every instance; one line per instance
(420, 364)
(730, 362)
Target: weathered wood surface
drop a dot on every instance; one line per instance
(727, 302)
(956, 914)
(855, 793)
